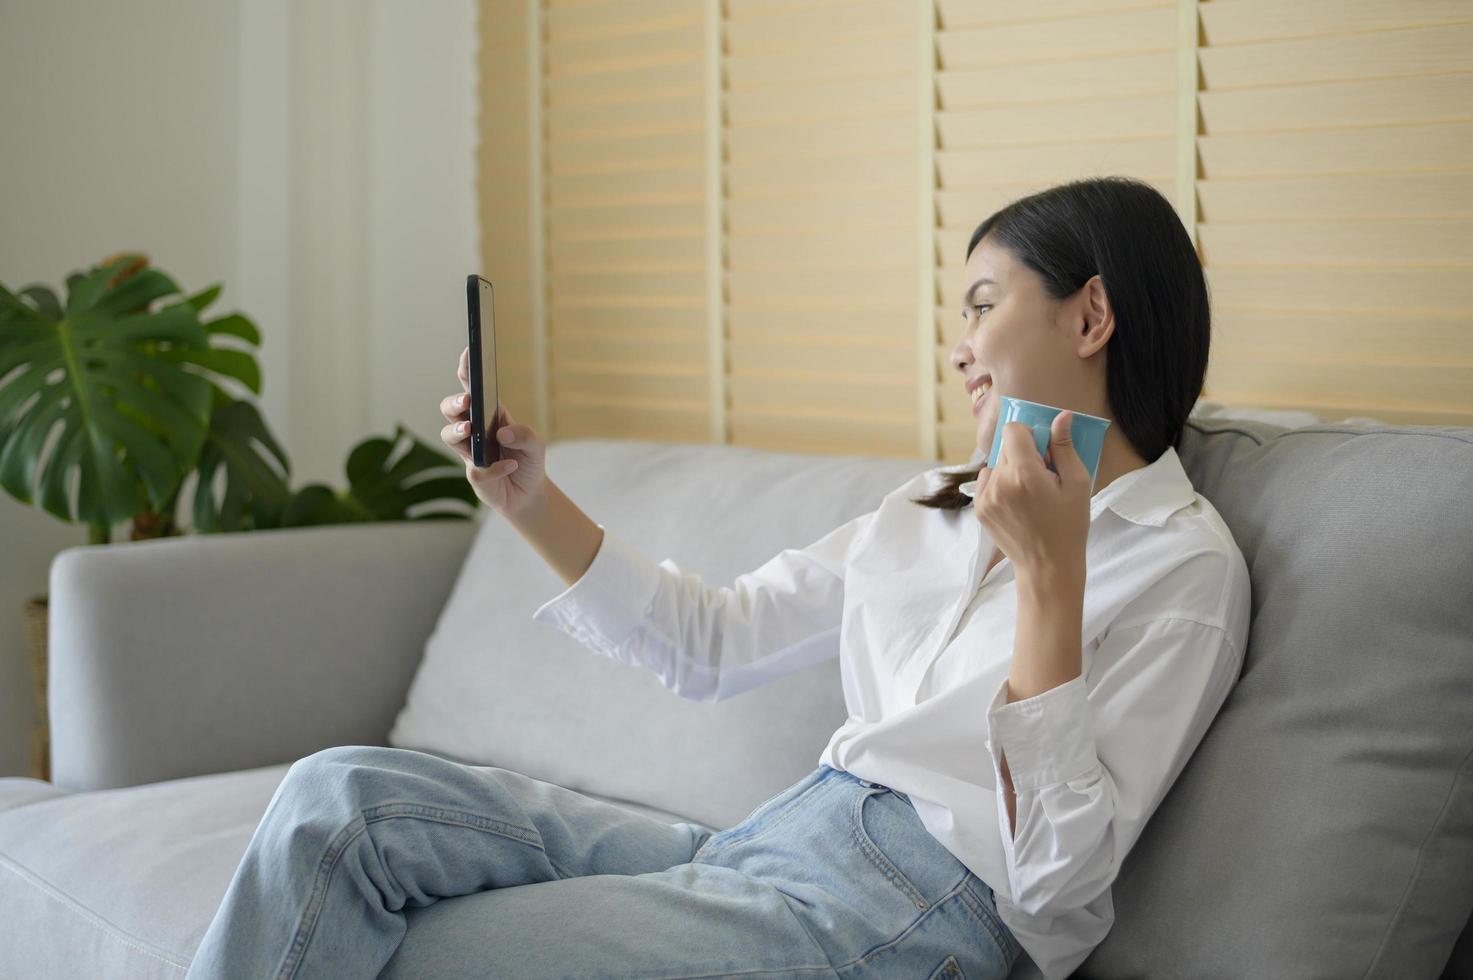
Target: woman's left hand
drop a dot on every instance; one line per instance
(1040, 519)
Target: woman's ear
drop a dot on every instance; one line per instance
(1098, 319)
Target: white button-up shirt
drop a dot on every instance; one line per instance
(925, 645)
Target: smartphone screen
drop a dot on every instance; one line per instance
(481, 319)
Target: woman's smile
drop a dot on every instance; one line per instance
(978, 401)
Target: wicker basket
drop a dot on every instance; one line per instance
(35, 625)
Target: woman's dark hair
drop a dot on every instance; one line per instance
(1125, 231)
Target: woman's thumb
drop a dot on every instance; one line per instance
(1061, 443)
(1063, 429)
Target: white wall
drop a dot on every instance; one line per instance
(316, 156)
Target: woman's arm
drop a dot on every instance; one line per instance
(1047, 648)
(559, 531)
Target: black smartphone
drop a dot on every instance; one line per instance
(480, 312)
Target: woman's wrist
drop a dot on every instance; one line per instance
(1049, 584)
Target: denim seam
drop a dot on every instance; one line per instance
(83, 912)
(307, 924)
(465, 818)
(905, 933)
(979, 912)
(825, 968)
(873, 852)
(829, 967)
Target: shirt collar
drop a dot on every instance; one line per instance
(1147, 495)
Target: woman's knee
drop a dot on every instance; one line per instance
(345, 774)
(346, 755)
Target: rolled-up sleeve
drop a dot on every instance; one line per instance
(1092, 758)
(708, 643)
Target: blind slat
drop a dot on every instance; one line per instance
(1382, 101)
(1427, 242)
(1116, 32)
(1374, 149)
(1394, 290)
(1338, 58)
(1150, 159)
(1109, 76)
(958, 14)
(1229, 22)
(1348, 196)
(860, 98)
(1077, 120)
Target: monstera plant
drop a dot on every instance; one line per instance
(125, 373)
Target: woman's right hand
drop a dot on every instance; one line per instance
(515, 480)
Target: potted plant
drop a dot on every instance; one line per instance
(124, 374)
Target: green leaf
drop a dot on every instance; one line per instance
(46, 302)
(235, 325)
(176, 324)
(85, 289)
(256, 494)
(23, 442)
(66, 457)
(136, 292)
(237, 364)
(383, 486)
(16, 313)
(14, 355)
(133, 417)
(117, 498)
(160, 470)
(181, 421)
(205, 297)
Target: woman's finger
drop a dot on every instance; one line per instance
(455, 407)
(454, 436)
(1017, 440)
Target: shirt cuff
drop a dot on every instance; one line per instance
(1048, 738)
(609, 600)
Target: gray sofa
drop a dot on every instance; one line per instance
(1323, 828)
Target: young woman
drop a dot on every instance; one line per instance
(1027, 669)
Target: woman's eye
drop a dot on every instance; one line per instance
(979, 306)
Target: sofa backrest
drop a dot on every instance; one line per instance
(498, 688)
(1324, 826)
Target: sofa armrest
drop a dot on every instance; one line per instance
(210, 653)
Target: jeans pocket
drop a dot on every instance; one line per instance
(753, 823)
(949, 969)
(889, 832)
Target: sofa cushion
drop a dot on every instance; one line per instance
(124, 882)
(498, 688)
(20, 790)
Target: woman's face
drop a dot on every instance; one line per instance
(1022, 339)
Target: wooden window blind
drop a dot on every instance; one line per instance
(822, 225)
(1336, 200)
(743, 220)
(624, 172)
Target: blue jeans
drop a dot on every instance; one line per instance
(833, 877)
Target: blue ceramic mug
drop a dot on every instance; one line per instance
(1088, 431)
